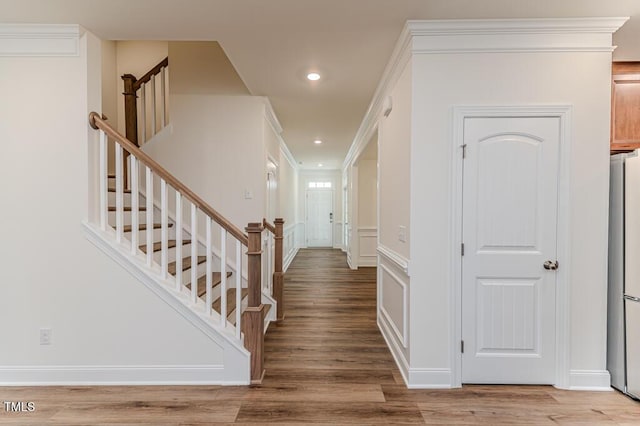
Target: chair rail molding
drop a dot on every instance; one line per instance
(30, 40)
(394, 257)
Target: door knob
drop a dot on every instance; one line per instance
(550, 265)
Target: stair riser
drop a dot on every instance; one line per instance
(186, 251)
(126, 218)
(186, 274)
(156, 235)
(111, 199)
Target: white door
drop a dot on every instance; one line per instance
(509, 232)
(319, 218)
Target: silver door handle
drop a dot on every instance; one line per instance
(550, 265)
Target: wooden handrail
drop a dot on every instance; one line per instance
(153, 71)
(269, 226)
(97, 122)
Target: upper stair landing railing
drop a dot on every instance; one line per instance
(146, 103)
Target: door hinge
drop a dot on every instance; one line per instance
(464, 151)
(462, 249)
(462, 346)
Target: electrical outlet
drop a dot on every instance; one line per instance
(402, 234)
(45, 336)
(248, 194)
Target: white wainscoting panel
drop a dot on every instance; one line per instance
(367, 245)
(290, 245)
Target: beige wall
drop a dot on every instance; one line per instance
(110, 97)
(395, 165)
(203, 68)
(367, 193)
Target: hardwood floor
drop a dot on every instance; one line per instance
(326, 364)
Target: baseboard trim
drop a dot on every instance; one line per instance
(590, 380)
(289, 259)
(429, 378)
(100, 375)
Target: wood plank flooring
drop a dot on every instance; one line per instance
(326, 364)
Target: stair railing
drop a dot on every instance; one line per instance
(145, 118)
(275, 267)
(251, 321)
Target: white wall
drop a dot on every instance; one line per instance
(106, 325)
(367, 193)
(110, 95)
(215, 147)
(443, 81)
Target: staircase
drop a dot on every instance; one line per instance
(183, 250)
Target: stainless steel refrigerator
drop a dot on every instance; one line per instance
(623, 338)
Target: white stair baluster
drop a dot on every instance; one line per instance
(135, 222)
(119, 191)
(178, 239)
(149, 199)
(238, 286)
(153, 106)
(209, 295)
(103, 180)
(164, 245)
(194, 254)
(223, 277)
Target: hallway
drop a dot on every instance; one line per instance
(325, 364)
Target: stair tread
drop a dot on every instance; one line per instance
(231, 303)
(157, 246)
(111, 176)
(186, 264)
(127, 208)
(143, 227)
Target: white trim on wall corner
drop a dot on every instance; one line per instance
(112, 375)
(394, 257)
(42, 40)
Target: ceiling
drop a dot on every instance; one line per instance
(273, 45)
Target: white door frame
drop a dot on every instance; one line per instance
(563, 112)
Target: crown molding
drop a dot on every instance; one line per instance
(514, 35)
(607, 25)
(46, 40)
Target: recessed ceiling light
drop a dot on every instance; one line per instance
(317, 141)
(313, 76)
(319, 164)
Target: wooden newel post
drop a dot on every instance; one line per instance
(278, 275)
(130, 108)
(253, 315)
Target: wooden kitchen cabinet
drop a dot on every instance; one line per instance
(625, 106)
